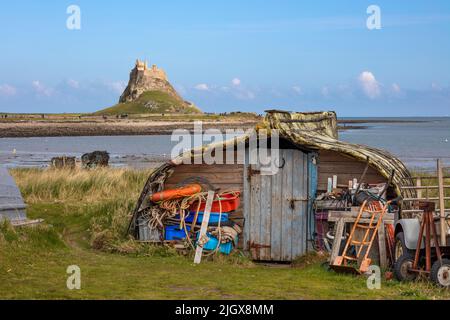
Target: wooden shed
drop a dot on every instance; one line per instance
(276, 210)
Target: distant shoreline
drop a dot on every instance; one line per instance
(18, 128)
(381, 121)
(109, 128)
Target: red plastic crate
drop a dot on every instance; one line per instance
(229, 202)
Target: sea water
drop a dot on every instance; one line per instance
(417, 141)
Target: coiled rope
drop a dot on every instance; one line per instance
(168, 209)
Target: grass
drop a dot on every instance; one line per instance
(161, 102)
(86, 213)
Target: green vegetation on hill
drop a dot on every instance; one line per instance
(86, 215)
(151, 102)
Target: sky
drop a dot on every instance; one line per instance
(231, 55)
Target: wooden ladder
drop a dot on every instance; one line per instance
(360, 262)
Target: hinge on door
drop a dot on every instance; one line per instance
(293, 201)
(251, 172)
(253, 245)
(255, 249)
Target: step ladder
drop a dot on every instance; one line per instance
(360, 262)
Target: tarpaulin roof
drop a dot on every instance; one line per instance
(317, 130)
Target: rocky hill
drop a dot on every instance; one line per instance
(149, 91)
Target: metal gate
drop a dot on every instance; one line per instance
(276, 209)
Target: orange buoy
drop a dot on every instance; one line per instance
(176, 193)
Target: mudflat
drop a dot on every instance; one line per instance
(108, 128)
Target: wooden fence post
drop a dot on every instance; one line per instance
(419, 184)
(442, 203)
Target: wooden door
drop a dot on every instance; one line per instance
(276, 209)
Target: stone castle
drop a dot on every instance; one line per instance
(143, 78)
(154, 72)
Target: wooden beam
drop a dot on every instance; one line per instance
(419, 185)
(24, 223)
(428, 199)
(442, 203)
(382, 246)
(337, 239)
(422, 187)
(351, 215)
(204, 227)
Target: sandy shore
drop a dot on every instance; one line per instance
(107, 128)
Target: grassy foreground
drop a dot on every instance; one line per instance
(86, 214)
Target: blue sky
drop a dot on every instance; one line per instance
(231, 55)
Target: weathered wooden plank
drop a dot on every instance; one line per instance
(306, 203)
(362, 221)
(298, 214)
(238, 214)
(212, 177)
(265, 216)
(419, 185)
(286, 220)
(336, 215)
(255, 217)
(339, 230)
(204, 227)
(382, 246)
(346, 168)
(442, 198)
(196, 168)
(349, 167)
(221, 186)
(343, 179)
(276, 216)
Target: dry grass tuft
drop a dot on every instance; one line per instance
(102, 198)
(89, 186)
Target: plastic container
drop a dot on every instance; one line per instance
(224, 248)
(228, 202)
(213, 217)
(175, 233)
(176, 193)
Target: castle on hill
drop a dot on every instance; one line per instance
(143, 79)
(149, 91)
(153, 72)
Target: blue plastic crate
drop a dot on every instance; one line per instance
(175, 233)
(224, 248)
(213, 217)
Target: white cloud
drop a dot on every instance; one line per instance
(7, 90)
(369, 84)
(42, 89)
(236, 81)
(202, 87)
(325, 91)
(298, 89)
(73, 83)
